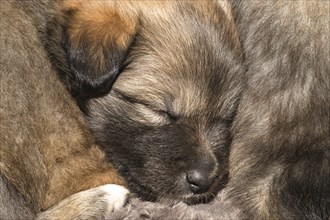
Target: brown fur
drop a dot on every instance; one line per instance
(159, 83)
(46, 153)
(94, 203)
(91, 22)
(151, 107)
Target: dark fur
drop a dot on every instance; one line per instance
(280, 154)
(175, 73)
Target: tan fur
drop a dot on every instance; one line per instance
(47, 153)
(82, 171)
(45, 150)
(94, 21)
(279, 160)
(94, 203)
(179, 66)
(101, 23)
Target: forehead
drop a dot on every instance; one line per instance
(177, 61)
(184, 84)
(163, 90)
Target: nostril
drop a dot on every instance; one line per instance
(198, 181)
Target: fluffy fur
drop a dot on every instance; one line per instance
(46, 153)
(280, 154)
(94, 203)
(219, 208)
(159, 82)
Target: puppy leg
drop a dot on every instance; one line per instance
(93, 203)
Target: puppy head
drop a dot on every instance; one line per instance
(169, 76)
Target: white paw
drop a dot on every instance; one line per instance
(115, 195)
(94, 203)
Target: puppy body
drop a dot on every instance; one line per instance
(159, 82)
(46, 154)
(280, 157)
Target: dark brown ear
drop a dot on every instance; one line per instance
(96, 36)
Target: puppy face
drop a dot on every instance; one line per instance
(165, 120)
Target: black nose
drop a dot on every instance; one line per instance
(199, 182)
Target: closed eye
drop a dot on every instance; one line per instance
(127, 98)
(148, 111)
(171, 115)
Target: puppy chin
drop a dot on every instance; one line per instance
(194, 198)
(189, 199)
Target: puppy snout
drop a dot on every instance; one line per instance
(199, 181)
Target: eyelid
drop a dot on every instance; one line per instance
(133, 100)
(121, 95)
(171, 115)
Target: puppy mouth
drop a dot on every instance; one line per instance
(175, 193)
(220, 182)
(197, 198)
(191, 199)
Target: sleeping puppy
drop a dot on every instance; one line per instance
(46, 153)
(280, 158)
(159, 83)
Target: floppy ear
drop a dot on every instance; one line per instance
(96, 39)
